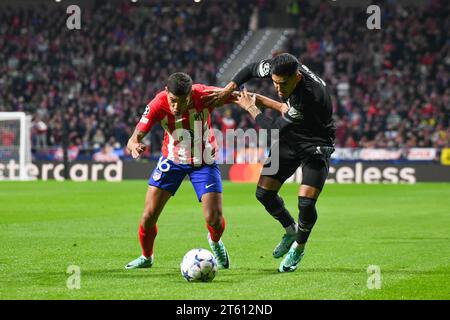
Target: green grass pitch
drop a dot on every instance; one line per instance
(47, 226)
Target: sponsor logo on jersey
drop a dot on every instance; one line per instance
(146, 111)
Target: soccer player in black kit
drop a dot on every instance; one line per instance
(306, 138)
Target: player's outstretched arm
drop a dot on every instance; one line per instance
(260, 69)
(247, 101)
(134, 145)
(218, 97)
(263, 101)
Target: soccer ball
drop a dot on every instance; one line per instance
(199, 265)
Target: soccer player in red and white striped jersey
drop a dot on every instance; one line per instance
(189, 148)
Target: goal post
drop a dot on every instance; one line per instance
(15, 145)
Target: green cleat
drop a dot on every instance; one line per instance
(292, 259)
(283, 247)
(220, 252)
(141, 262)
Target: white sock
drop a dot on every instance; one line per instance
(292, 229)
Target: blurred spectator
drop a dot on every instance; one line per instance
(72, 152)
(8, 137)
(39, 133)
(227, 121)
(106, 154)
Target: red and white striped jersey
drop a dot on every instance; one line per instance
(188, 138)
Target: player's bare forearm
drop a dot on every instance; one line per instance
(138, 135)
(263, 101)
(218, 97)
(134, 145)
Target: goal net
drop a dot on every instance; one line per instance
(15, 146)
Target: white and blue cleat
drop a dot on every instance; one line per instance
(220, 252)
(141, 262)
(292, 259)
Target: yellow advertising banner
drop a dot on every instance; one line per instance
(445, 156)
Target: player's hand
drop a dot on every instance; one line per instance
(284, 108)
(216, 97)
(246, 100)
(234, 96)
(136, 149)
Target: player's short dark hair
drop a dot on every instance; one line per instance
(179, 84)
(284, 65)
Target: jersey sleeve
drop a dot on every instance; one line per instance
(267, 123)
(153, 113)
(259, 69)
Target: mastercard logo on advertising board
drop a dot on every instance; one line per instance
(245, 172)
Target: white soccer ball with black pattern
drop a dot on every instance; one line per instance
(199, 265)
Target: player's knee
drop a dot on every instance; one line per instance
(270, 200)
(265, 196)
(307, 211)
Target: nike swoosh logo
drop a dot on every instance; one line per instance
(209, 185)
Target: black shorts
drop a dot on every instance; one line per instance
(314, 159)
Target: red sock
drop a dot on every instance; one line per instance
(147, 238)
(216, 233)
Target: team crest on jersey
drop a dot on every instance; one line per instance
(157, 175)
(264, 69)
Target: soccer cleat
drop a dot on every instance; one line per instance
(283, 247)
(291, 260)
(141, 262)
(220, 252)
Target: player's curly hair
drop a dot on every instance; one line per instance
(284, 65)
(179, 84)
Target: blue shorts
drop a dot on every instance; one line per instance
(168, 176)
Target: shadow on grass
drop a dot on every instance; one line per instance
(415, 238)
(223, 276)
(145, 273)
(257, 271)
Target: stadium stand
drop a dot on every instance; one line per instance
(390, 86)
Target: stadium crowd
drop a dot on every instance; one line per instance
(390, 86)
(102, 76)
